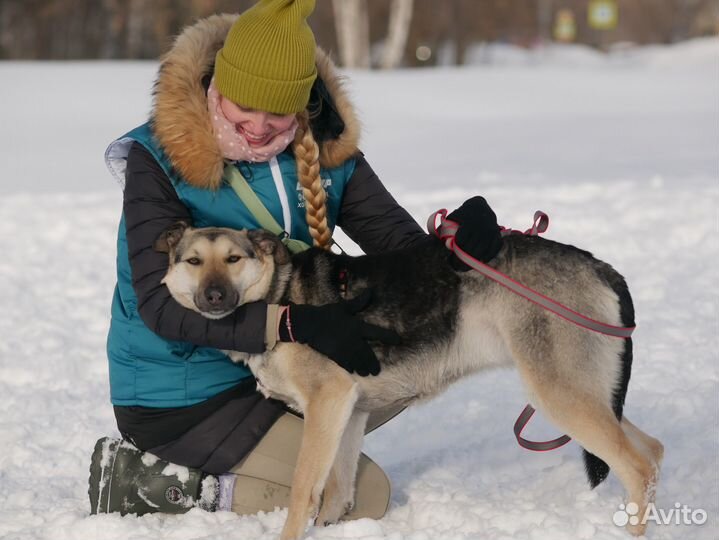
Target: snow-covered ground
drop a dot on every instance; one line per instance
(622, 152)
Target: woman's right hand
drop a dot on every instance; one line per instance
(335, 331)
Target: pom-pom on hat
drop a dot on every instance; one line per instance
(268, 59)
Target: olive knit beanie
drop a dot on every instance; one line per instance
(268, 59)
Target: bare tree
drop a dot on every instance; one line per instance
(352, 23)
(706, 20)
(73, 29)
(136, 18)
(684, 17)
(400, 18)
(115, 13)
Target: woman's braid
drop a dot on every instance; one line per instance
(308, 170)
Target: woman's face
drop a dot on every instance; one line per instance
(257, 127)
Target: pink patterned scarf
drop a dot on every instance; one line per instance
(232, 144)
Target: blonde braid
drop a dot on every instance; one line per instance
(307, 154)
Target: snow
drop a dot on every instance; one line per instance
(209, 490)
(142, 493)
(182, 473)
(148, 459)
(621, 151)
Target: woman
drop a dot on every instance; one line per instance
(249, 94)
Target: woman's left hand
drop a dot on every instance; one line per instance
(478, 234)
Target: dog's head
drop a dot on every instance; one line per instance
(213, 270)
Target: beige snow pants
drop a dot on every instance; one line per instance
(264, 476)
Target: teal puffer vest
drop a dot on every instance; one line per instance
(150, 371)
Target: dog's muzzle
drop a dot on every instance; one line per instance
(216, 301)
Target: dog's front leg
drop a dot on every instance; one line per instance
(238, 357)
(338, 497)
(327, 410)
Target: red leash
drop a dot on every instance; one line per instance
(448, 229)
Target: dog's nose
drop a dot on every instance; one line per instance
(214, 295)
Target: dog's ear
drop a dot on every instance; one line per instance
(169, 238)
(269, 244)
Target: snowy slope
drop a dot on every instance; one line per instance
(621, 152)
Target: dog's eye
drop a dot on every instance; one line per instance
(194, 261)
(233, 259)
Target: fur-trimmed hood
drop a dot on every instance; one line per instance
(181, 122)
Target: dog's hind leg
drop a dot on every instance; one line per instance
(594, 426)
(327, 410)
(338, 497)
(647, 442)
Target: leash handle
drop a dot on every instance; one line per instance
(263, 217)
(539, 226)
(536, 446)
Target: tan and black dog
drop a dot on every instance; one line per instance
(451, 325)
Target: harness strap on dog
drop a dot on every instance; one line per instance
(446, 232)
(343, 280)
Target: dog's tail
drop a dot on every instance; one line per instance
(597, 469)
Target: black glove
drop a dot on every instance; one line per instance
(333, 330)
(478, 234)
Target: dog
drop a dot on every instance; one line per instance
(451, 324)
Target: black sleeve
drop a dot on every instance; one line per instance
(371, 217)
(151, 205)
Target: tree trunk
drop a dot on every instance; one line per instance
(136, 17)
(352, 23)
(116, 39)
(400, 18)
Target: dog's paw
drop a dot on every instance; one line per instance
(331, 512)
(238, 357)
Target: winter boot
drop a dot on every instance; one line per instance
(126, 480)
